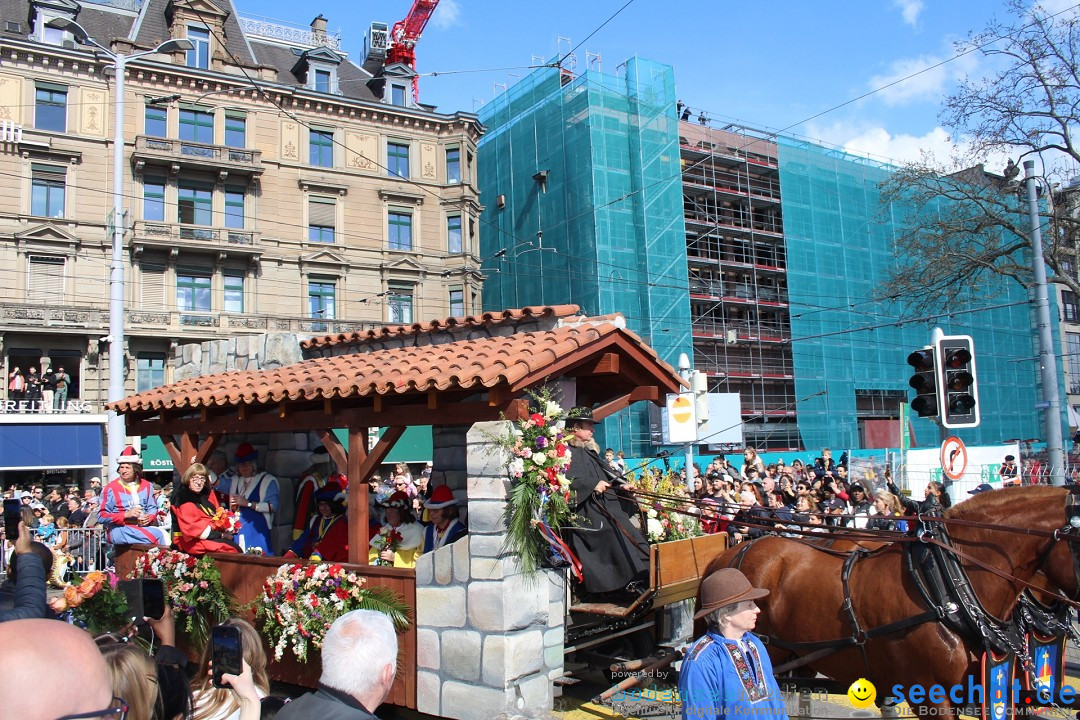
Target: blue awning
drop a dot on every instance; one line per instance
(52, 445)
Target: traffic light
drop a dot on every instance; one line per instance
(924, 382)
(958, 393)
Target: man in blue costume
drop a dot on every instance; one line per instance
(727, 672)
(255, 494)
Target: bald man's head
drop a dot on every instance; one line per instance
(35, 649)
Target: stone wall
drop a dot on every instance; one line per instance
(489, 639)
(245, 352)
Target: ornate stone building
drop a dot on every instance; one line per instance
(271, 183)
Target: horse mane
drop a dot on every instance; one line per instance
(995, 501)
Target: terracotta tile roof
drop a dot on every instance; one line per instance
(516, 361)
(470, 321)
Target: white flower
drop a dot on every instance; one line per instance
(539, 458)
(517, 467)
(655, 529)
(552, 409)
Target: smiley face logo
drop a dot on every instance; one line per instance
(862, 693)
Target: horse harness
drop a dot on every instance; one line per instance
(943, 583)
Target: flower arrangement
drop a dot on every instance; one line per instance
(225, 521)
(299, 603)
(388, 539)
(192, 586)
(665, 517)
(540, 491)
(94, 602)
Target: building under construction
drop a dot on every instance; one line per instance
(765, 273)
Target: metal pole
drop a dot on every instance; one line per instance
(685, 372)
(1047, 361)
(117, 434)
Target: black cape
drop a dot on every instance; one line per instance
(610, 560)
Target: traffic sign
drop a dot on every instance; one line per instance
(954, 457)
(681, 418)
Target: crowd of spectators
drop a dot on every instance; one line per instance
(755, 498)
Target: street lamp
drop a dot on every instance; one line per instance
(115, 429)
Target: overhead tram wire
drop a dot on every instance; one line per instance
(263, 91)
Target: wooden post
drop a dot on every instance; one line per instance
(358, 496)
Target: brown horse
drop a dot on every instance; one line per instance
(806, 603)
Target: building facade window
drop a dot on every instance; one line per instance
(321, 294)
(457, 301)
(149, 371)
(1072, 361)
(50, 107)
(400, 230)
(197, 126)
(453, 233)
(47, 190)
(199, 55)
(397, 159)
(322, 81)
(234, 291)
(234, 207)
(399, 95)
(322, 219)
(321, 150)
(235, 130)
(45, 282)
(1070, 310)
(195, 202)
(453, 165)
(156, 121)
(399, 302)
(192, 291)
(154, 198)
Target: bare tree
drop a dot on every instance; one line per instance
(961, 235)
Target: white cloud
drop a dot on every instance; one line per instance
(910, 10)
(1053, 7)
(927, 77)
(879, 144)
(447, 15)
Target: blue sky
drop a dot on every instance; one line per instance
(772, 65)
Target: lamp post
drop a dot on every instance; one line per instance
(115, 431)
(1047, 361)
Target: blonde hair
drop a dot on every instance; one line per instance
(213, 702)
(892, 503)
(193, 470)
(134, 678)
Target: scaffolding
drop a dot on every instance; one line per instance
(737, 263)
(581, 183)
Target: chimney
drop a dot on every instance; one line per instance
(318, 26)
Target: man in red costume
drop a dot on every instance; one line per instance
(128, 510)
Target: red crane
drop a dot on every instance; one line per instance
(405, 33)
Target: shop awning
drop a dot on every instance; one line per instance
(50, 445)
(154, 457)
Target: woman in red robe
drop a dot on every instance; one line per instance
(194, 505)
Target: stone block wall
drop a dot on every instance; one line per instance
(245, 352)
(489, 639)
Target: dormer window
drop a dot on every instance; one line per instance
(42, 12)
(317, 70)
(199, 55)
(399, 95)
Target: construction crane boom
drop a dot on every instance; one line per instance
(405, 33)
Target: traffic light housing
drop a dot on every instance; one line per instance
(958, 392)
(925, 382)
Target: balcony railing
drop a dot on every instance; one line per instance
(169, 322)
(169, 233)
(220, 158)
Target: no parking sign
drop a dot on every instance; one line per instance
(954, 458)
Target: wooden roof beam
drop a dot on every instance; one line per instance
(649, 392)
